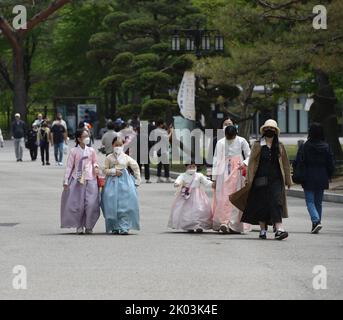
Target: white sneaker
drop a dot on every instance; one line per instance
(60, 164)
(79, 231)
(169, 180)
(160, 180)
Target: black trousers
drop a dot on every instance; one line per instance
(33, 152)
(166, 170)
(44, 150)
(146, 170)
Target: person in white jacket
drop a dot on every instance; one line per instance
(230, 161)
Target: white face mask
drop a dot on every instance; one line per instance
(118, 150)
(87, 141)
(191, 171)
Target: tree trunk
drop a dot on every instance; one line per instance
(324, 111)
(245, 124)
(20, 93)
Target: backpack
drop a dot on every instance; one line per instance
(299, 168)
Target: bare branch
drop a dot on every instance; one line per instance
(8, 32)
(43, 15)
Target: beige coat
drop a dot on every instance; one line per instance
(240, 198)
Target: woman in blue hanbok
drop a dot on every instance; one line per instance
(119, 201)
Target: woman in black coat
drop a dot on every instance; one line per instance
(318, 167)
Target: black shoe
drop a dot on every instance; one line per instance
(263, 235)
(48, 163)
(199, 230)
(316, 227)
(43, 164)
(280, 235)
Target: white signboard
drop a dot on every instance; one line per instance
(186, 96)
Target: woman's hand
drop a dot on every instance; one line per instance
(118, 173)
(96, 171)
(65, 187)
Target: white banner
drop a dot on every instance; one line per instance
(186, 96)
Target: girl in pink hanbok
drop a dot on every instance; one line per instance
(191, 210)
(230, 161)
(80, 205)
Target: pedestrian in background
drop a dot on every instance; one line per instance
(38, 122)
(18, 133)
(59, 140)
(108, 137)
(318, 167)
(162, 137)
(263, 200)
(32, 142)
(80, 207)
(44, 141)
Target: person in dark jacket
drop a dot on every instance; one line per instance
(18, 133)
(319, 168)
(32, 142)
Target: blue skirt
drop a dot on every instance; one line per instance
(119, 203)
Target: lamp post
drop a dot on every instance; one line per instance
(201, 42)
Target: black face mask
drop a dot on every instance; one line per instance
(269, 133)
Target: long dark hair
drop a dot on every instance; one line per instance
(275, 145)
(78, 135)
(316, 132)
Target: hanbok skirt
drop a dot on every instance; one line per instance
(119, 203)
(80, 205)
(228, 182)
(192, 213)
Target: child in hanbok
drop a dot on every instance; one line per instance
(80, 206)
(119, 200)
(228, 168)
(191, 210)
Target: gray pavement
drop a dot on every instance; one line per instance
(154, 263)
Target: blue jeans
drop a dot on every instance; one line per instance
(314, 201)
(58, 148)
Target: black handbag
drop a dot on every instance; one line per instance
(261, 182)
(299, 168)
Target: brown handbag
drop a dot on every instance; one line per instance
(240, 198)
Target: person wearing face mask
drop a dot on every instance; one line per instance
(119, 198)
(191, 210)
(231, 158)
(213, 144)
(263, 199)
(80, 207)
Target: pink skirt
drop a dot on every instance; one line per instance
(80, 205)
(224, 212)
(192, 213)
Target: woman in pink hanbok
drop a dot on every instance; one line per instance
(229, 164)
(80, 204)
(191, 210)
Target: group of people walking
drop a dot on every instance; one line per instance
(249, 186)
(41, 136)
(83, 189)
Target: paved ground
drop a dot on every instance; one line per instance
(154, 263)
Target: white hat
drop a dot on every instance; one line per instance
(17, 115)
(270, 124)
